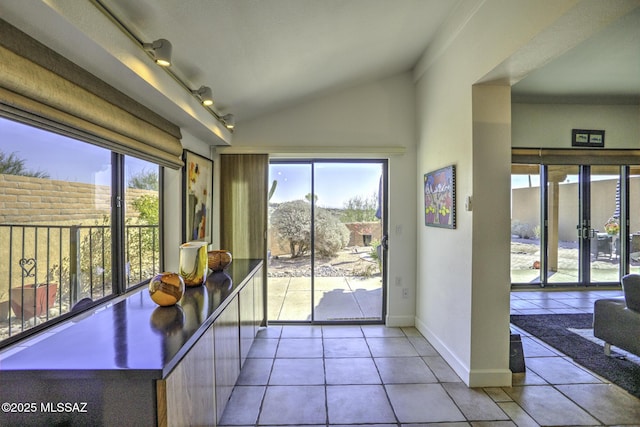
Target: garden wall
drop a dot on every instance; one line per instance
(27, 200)
(525, 206)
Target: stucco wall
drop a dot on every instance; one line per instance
(28, 200)
(525, 206)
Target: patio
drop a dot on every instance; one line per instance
(347, 287)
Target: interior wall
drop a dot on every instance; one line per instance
(550, 125)
(367, 121)
(462, 276)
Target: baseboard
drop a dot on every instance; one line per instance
(490, 378)
(400, 321)
(472, 378)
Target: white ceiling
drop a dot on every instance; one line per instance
(603, 68)
(260, 56)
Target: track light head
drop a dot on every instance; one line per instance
(229, 121)
(161, 50)
(205, 94)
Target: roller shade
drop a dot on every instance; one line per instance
(42, 88)
(549, 156)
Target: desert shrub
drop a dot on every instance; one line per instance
(331, 234)
(292, 222)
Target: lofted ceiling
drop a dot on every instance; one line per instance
(262, 56)
(258, 56)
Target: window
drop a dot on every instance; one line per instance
(60, 234)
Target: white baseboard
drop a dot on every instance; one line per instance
(400, 321)
(472, 378)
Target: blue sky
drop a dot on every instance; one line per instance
(335, 183)
(61, 157)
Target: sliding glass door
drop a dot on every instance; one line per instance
(326, 241)
(578, 240)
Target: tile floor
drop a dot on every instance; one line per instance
(382, 377)
(558, 301)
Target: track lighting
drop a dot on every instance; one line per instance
(229, 121)
(161, 50)
(205, 94)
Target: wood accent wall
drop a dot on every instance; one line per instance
(187, 395)
(243, 210)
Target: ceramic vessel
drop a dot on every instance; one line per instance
(166, 289)
(219, 260)
(193, 263)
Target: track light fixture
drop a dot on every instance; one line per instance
(229, 121)
(161, 50)
(205, 94)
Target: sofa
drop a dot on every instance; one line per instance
(616, 321)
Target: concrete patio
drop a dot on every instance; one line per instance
(342, 298)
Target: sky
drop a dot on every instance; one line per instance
(334, 183)
(62, 158)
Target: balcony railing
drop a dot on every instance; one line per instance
(46, 269)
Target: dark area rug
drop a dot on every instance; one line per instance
(553, 329)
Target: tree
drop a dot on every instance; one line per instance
(292, 221)
(13, 165)
(145, 180)
(148, 205)
(360, 209)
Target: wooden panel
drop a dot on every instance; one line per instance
(187, 395)
(243, 211)
(227, 355)
(258, 299)
(247, 321)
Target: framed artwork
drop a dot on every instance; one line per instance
(440, 198)
(587, 138)
(197, 190)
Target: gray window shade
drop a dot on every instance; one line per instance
(40, 87)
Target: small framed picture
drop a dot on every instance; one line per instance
(587, 138)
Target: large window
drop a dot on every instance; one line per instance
(76, 221)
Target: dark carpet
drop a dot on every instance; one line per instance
(553, 329)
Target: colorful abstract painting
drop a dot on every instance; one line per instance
(197, 190)
(440, 198)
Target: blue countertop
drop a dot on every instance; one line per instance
(133, 335)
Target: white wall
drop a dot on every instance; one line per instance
(550, 125)
(374, 120)
(463, 274)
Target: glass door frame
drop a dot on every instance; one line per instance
(384, 244)
(583, 229)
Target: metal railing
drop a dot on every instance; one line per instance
(46, 269)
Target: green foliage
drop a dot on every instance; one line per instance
(360, 209)
(145, 180)
(148, 206)
(331, 235)
(292, 222)
(13, 165)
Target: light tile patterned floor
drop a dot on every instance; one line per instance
(378, 376)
